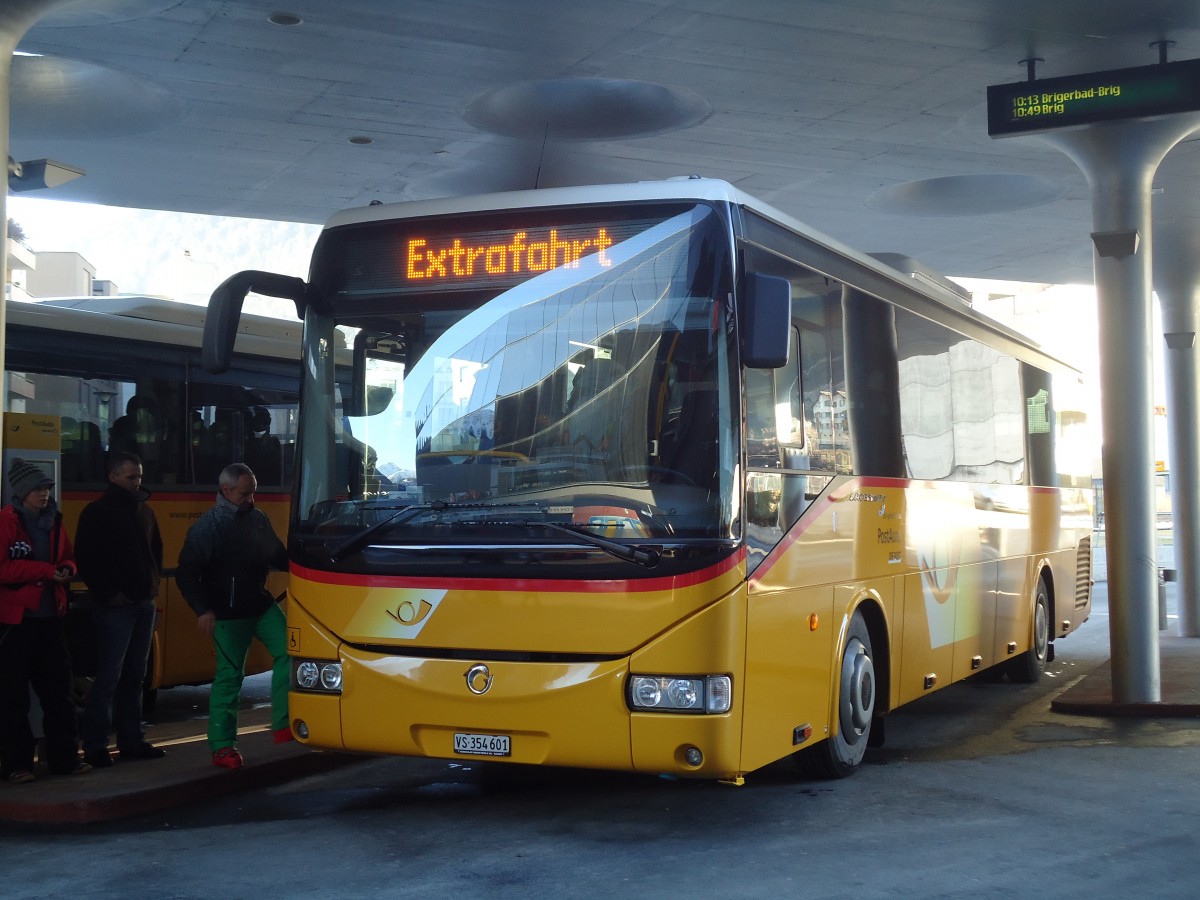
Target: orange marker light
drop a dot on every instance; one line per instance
(813, 621)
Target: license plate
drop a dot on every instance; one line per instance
(483, 744)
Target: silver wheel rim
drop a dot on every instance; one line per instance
(1041, 628)
(858, 691)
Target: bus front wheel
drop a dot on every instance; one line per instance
(839, 755)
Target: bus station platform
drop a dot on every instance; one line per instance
(1179, 673)
(1178, 657)
(185, 775)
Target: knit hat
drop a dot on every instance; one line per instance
(25, 477)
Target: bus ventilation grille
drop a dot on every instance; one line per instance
(1083, 573)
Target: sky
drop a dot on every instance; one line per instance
(181, 256)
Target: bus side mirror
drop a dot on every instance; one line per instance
(766, 324)
(225, 311)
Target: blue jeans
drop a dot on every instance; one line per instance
(123, 635)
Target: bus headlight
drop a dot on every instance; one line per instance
(677, 693)
(317, 675)
(331, 677)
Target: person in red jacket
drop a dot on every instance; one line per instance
(36, 563)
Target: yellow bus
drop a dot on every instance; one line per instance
(653, 478)
(125, 373)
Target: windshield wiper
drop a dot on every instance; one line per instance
(357, 541)
(642, 556)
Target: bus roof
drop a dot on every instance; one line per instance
(153, 319)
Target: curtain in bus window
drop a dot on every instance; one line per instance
(962, 407)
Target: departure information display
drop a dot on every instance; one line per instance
(480, 252)
(1073, 100)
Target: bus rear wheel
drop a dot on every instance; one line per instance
(839, 755)
(1029, 666)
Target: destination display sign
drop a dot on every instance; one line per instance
(1074, 100)
(529, 252)
(456, 254)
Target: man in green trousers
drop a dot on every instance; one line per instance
(222, 574)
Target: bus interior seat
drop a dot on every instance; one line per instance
(82, 451)
(690, 455)
(141, 431)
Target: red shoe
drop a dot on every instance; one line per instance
(228, 758)
(282, 735)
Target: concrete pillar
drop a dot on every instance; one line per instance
(1177, 283)
(1119, 161)
(16, 18)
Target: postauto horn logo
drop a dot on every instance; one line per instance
(405, 611)
(409, 613)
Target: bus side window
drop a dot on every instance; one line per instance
(225, 436)
(774, 424)
(1039, 426)
(762, 443)
(82, 451)
(263, 451)
(142, 431)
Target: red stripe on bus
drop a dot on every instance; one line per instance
(527, 585)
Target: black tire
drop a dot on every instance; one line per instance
(839, 755)
(1029, 666)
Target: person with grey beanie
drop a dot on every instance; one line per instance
(36, 564)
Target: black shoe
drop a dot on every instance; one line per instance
(145, 751)
(76, 766)
(98, 759)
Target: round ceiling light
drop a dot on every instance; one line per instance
(103, 12)
(66, 98)
(586, 109)
(967, 195)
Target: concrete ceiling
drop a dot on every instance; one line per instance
(864, 118)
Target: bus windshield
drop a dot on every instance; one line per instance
(594, 395)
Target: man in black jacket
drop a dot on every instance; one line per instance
(119, 552)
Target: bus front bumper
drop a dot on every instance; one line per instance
(559, 714)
